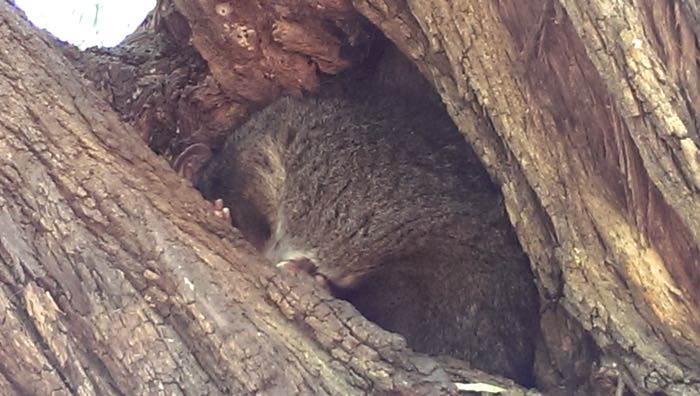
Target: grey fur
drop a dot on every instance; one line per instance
(382, 190)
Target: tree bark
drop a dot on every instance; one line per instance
(591, 132)
(116, 279)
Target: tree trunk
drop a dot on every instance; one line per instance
(116, 278)
(591, 132)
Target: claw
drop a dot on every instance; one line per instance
(220, 210)
(306, 266)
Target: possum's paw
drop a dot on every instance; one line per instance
(221, 211)
(306, 266)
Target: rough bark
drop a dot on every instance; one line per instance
(116, 279)
(591, 133)
(585, 114)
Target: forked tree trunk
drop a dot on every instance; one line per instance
(116, 279)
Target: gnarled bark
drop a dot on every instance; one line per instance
(591, 133)
(117, 280)
(583, 112)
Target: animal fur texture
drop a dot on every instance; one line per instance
(379, 190)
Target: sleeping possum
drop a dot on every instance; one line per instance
(375, 187)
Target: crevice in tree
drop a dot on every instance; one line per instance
(30, 327)
(388, 297)
(595, 152)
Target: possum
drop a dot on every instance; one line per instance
(349, 185)
(375, 186)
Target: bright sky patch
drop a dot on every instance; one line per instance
(87, 23)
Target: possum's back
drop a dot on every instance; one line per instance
(351, 183)
(373, 190)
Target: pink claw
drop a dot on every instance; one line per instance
(304, 266)
(220, 210)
